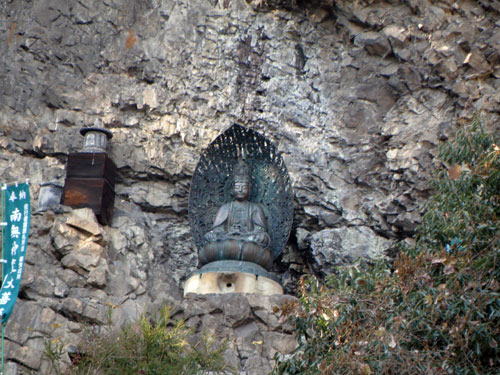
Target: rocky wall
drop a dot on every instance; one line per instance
(250, 326)
(355, 94)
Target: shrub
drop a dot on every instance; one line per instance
(436, 308)
(151, 347)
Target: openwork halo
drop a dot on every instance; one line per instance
(212, 183)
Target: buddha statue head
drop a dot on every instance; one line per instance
(241, 183)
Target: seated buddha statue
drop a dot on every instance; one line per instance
(239, 231)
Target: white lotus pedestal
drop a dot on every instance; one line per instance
(232, 277)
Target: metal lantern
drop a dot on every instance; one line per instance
(95, 139)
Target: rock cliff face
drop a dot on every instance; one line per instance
(355, 94)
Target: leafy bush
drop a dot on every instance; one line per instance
(436, 308)
(150, 348)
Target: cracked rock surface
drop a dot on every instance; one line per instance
(356, 95)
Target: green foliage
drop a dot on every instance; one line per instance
(151, 347)
(464, 211)
(436, 308)
(53, 351)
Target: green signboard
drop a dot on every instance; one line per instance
(15, 221)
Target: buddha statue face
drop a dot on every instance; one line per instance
(241, 185)
(241, 190)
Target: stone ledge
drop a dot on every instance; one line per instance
(231, 282)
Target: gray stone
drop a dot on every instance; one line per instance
(64, 237)
(98, 275)
(60, 288)
(85, 311)
(397, 34)
(476, 60)
(12, 368)
(27, 356)
(248, 340)
(84, 219)
(333, 247)
(84, 258)
(71, 278)
(374, 43)
(236, 310)
(268, 5)
(280, 342)
(31, 320)
(256, 365)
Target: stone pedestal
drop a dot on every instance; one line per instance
(232, 276)
(231, 282)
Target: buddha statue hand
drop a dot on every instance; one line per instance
(261, 238)
(215, 235)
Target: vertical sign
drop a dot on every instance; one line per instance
(15, 211)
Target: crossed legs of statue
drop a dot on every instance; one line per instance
(236, 250)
